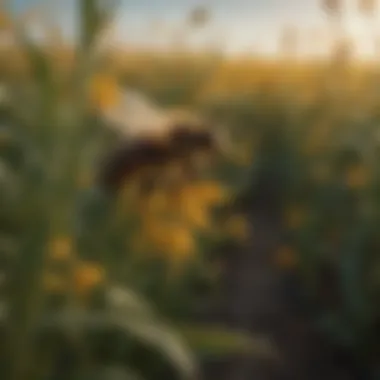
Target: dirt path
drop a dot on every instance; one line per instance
(255, 299)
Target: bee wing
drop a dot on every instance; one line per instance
(137, 116)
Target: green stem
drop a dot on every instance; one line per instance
(26, 296)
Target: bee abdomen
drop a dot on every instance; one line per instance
(124, 162)
(127, 160)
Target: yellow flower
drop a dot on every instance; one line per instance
(171, 239)
(60, 248)
(208, 193)
(192, 204)
(104, 92)
(286, 258)
(181, 243)
(87, 276)
(197, 215)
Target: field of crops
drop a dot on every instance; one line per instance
(97, 287)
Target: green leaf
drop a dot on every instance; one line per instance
(221, 341)
(95, 15)
(132, 315)
(139, 318)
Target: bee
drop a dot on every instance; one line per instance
(150, 139)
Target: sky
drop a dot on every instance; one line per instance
(236, 26)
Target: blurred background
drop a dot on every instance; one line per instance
(250, 252)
